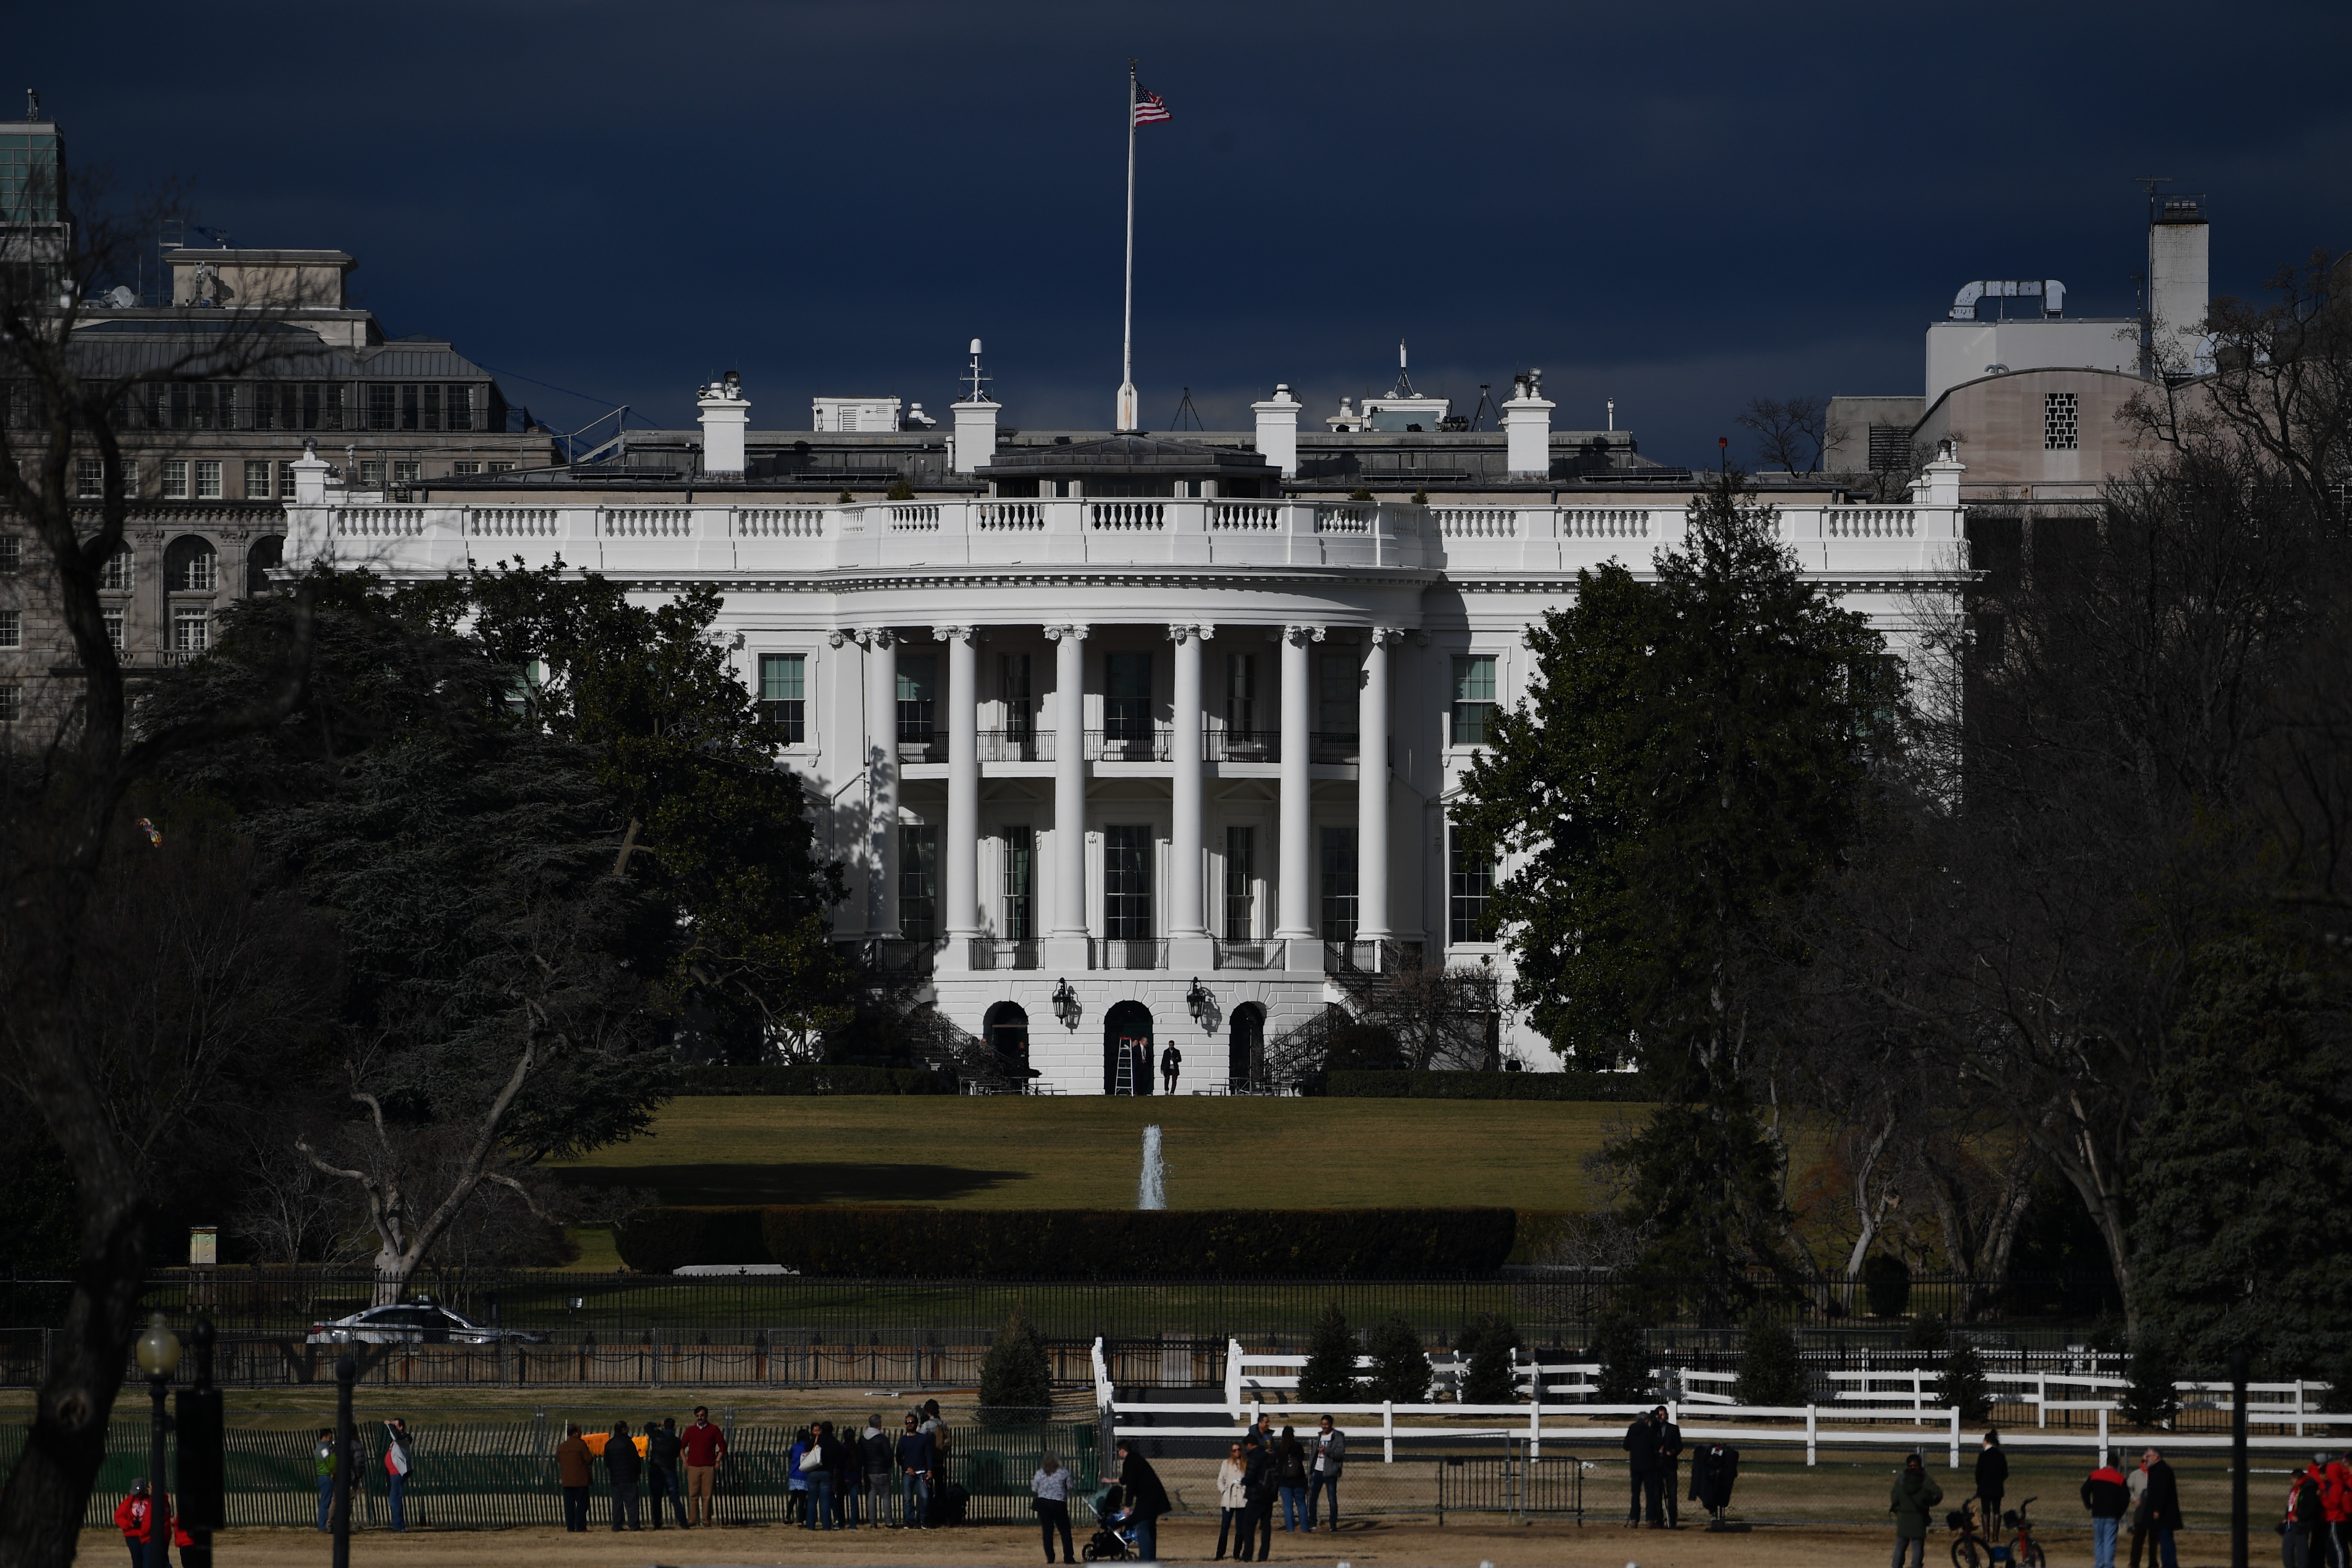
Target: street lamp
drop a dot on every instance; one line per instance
(159, 1358)
(1200, 1003)
(1065, 1004)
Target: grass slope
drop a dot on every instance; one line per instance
(1083, 1152)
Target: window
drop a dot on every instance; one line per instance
(1338, 884)
(1127, 883)
(464, 468)
(1241, 693)
(1474, 699)
(191, 631)
(1019, 871)
(113, 620)
(330, 417)
(190, 566)
(408, 407)
(919, 881)
(502, 467)
(1890, 449)
(461, 408)
(175, 478)
(284, 481)
(371, 473)
(11, 704)
(2058, 421)
(1469, 884)
(406, 471)
(382, 407)
(201, 399)
(1241, 883)
(12, 628)
(12, 553)
(432, 406)
(1019, 710)
(117, 576)
(783, 696)
(263, 401)
(917, 689)
(90, 478)
(1127, 697)
(266, 553)
(256, 479)
(208, 479)
(1336, 689)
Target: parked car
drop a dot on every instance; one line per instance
(415, 1324)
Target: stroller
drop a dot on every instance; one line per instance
(1114, 1537)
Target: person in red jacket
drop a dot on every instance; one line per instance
(132, 1516)
(2335, 1497)
(704, 1448)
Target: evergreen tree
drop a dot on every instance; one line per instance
(1768, 1370)
(1330, 1375)
(1488, 1344)
(2149, 1399)
(1694, 752)
(1016, 1379)
(1399, 1366)
(1623, 1348)
(1964, 1382)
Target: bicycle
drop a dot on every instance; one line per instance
(1975, 1551)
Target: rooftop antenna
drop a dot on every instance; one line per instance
(1403, 388)
(975, 377)
(1485, 403)
(32, 104)
(1185, 410)
(1612, 414)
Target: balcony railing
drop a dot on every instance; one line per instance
(1243, 745)
(888, 955)
(989, 953)
(1115, 952)
(1369, 956)
(1265, 953)
(1129, 745)
(1335, 746)
(1016, 745)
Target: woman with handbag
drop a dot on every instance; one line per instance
(1232, 1503)
(1050, 1496)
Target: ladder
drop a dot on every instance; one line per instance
(1125, 1083)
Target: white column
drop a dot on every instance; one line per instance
(1066, 946)
(1294, 915)
(961, 918)
(881, 645)
(1188, 929)
(1373, 792)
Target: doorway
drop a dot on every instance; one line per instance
(1006, 1030)
(1245, 1048)
(1126, 1029)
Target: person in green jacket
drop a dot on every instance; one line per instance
(1913, 1505)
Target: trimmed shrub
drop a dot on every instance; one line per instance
(1344, 1084)
(1886, 1285)
(1623, 1352)
(1330, 1375)
(659, 1241)
(1964, 1382)
(1042, 1244)
(1488, 1342)
(1016, 1379)
(2149, 1399)
(814, 1080)
(1399, 1367)
(1768, 1370)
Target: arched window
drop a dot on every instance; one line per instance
(191, 565)
(267, 551)
(1245, 1047)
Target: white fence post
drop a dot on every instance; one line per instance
(2102, 1434)
(2041, 1399)
(1956, 1438)
(1813, 1435)
(1918, 1401)
(1388, 1431)
(1534, 1424)
(1233, 1377)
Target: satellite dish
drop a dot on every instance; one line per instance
(975, 346)
(121, 297)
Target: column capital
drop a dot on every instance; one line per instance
(1303, 635)
(837, 636)
(953, 634)
(1075, 633)
(1385, 636)
(1419, 637)
(1178, 631)
(875, 636)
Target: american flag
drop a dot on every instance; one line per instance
(1149, 108)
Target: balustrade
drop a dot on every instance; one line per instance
(1262, 516)
(647, 522)
(1016, 745)
(513, 522)
(1476, 521)
(1604, 522)
(993, 516)
(379, 522)
(778, 521)
(915, 519)
(1870, 522)
(1128, 515)
(1343, 519)
(1129, 745)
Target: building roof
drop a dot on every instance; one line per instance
(1149, 457)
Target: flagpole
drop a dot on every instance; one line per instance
(1127, 418)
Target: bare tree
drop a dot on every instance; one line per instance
(1791, 433)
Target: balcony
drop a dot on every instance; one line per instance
(888, 956)
(1115, 952)
(989, 953)
(922, 745)
(1016, 745)
(1362, 957)
(1129, 745)
(1335, 746)
(1264, 953)
(1243, 745)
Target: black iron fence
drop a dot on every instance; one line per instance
(1513, 1485)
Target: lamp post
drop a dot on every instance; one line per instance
(2240, 1364)
(347, 1372)
(202, 1481)
(159, 1358)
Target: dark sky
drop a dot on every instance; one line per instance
(1682, 207)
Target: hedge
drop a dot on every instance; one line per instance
(1601, 1086)
(855, 1241)
(815, 1080)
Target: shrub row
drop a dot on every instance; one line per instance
(887, 1243)
(814, 1080)
(1602, 1086)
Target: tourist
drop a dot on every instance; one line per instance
(396, 1463)
(796, 1486)
(130, 1517)
(1232, 1501)
(1258, 1486)
(873, 1457)
(1049, 1494)
(1640, 1445)
(1913, 1505)
(1323, 1475)
(914, 1464)
(662, 1449)
(2338, 1500)
(1170, 1061)
(2136, 1483)
(1992, 1480)
(572, 1460)
(1666, 1472)
(943, 1442)
(2302, 1533)
(622, 1464)
(816, 1465)
(2108, 1500)
(1290, 1479)
(704, 1448)
(841, 1462)
(2163, 1506)
(324, 1460)
(1147, 1500)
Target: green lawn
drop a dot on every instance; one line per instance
(1053, 1152)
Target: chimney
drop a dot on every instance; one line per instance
(725, 412)
(2177, 289)
(1527, 428)
(974, 447)
(1277, 430)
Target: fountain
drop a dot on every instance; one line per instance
(1151, 1193)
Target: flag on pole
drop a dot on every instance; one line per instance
(1149, 109)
